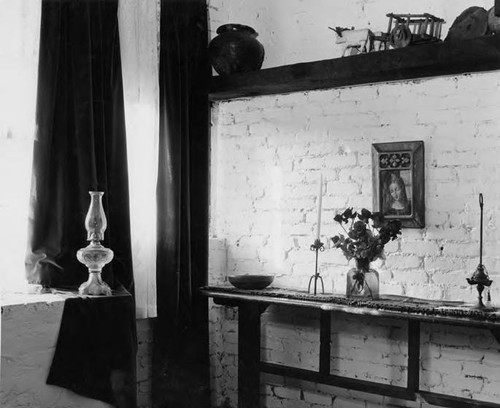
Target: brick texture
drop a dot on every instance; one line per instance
(271, 153)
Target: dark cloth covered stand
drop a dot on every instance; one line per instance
(96, 348)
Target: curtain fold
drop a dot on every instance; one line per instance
(80, 144)
(181, 368)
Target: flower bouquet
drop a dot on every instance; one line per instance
(365, 239)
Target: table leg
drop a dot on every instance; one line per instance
(249, 355)
(325, 342)
(413, 381)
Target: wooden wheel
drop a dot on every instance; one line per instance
(400, 36)
(471, 23)
(493, 21)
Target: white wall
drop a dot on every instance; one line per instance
(271, 150)
(267, 155)
(28, 343)
(29, 336)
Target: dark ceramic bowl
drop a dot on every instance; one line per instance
(250, 281)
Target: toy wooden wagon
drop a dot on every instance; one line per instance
(410, 29)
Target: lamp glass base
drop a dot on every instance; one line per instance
(95, 286)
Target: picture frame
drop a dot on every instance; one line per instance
(398, 182)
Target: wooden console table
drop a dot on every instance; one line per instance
(251, 304)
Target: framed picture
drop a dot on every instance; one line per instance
(398, 182)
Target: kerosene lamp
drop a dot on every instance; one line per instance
(480, 276)
(94, 256)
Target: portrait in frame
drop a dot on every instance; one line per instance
(398, 182)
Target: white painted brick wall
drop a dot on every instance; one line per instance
(29, 336)
(269, 225)
(144, 362)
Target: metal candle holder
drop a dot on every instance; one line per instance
(480, 276)
(317, 246)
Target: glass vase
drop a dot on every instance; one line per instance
(362, 281)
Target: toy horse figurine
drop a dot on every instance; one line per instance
(360, 41)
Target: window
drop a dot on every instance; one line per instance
(19, 41)
(19, 47)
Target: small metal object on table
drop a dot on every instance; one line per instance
(317, 247)
(480, 276)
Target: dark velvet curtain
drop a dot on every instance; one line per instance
(181, 370)
(80, 144)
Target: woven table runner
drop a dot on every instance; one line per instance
(395, 303)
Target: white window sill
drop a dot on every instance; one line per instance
(29, 295)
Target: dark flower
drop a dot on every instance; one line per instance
(338, 218)
(394, 228)
(367, 234)
(348, 214)
(384, 235)
(358, 230)
(365, 215)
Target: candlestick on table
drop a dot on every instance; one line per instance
(317, 245)
(320, 205)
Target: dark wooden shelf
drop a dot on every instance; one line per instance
(419, 61)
